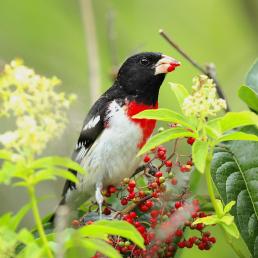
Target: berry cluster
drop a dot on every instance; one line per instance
(153, 204)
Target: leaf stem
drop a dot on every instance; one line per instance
(210, 183)
(38, 222)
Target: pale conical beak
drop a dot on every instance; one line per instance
(166, 64)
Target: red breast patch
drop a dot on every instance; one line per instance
(147, 125)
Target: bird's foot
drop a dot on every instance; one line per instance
(99, 197)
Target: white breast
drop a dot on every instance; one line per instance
(113, 155)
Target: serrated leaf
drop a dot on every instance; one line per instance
(180, 92)
(120, 228)
(165, 136)
(163, 114)
(236, 119)
(199, 154)
(249, 96)
(238, 136)
(57, 161)
(235, 174)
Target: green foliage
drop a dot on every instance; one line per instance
(199, 152)
(20, 167)
(223, 218)
(199, 107)
(249, 92)
(93, 238)
(165, 136)
(235, 173)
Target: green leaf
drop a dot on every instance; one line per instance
(209, 220)
(235, 174)
(227, 219)
(231, 229)
(249, 96)
(101, 246)
(7, 155)
(166, 136)
(199, 154)
(252, 77)
(166, 115)
(180, 92)
(57, 161)
(229, 206)
(50, 173)
(16, 219)
(220, 207)
(236, 119)
(238, 136)
(120, 228)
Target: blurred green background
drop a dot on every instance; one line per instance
(50, 36)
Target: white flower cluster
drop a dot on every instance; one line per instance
(39, 111)
(204, 101)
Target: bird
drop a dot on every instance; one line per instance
(110, 137)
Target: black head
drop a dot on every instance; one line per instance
(141, 75)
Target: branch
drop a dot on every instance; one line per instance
(209, 70)
(92, 49)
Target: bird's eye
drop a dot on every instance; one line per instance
(144, 61)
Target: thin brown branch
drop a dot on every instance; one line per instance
(91, 47)
(210, 69)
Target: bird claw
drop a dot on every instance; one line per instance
(99, 197)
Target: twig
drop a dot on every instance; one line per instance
(210, 70)
(92, 49)
(61, 224)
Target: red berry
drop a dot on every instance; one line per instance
(131, 195)
(158, 174)
(168, 163)
(141, 194)
(155, 195)
(181, 244)
(190, 140)
(200, 226)
(189, 162)
(146, 159)
(132, 184)
(161, 148)
(130, 189)
(149, 203)
(178, 205)
(179, 232)
(107, 211)
(124, 201)
(111, 189)
(154, 213)
(212, 239)
(174, 181)
(133, 214)
(144, 208)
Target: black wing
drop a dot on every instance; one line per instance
(92, 127)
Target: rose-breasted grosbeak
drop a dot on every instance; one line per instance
(110, 138)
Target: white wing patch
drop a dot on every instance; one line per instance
(91, 123)
(81, 154)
